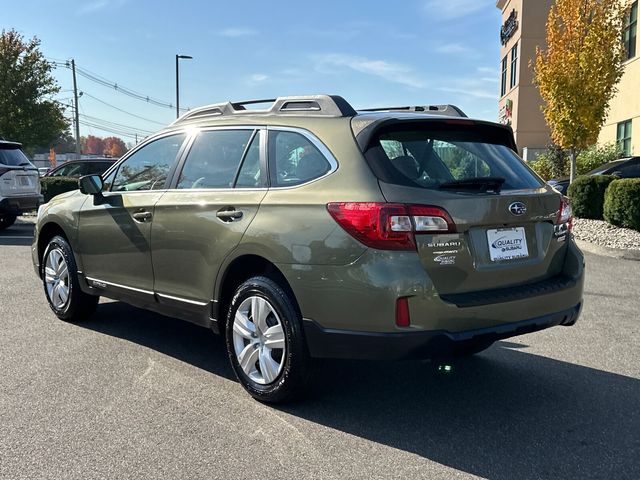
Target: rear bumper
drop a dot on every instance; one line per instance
(20, 204)
(331, 343)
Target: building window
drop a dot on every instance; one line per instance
(624, 137)
(503, 83)
(514, 66)
(631, 30)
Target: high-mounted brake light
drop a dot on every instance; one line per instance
(390, 226)
(565, 213)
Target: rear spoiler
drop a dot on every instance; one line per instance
(365, 128)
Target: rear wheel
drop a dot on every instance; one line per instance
(265, 342)
(60, 280)
(6, 221)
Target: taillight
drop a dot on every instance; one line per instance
(565, 214)
(390, 226)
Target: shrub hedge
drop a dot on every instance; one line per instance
(587, 195)
(52, 186)
(622, 203)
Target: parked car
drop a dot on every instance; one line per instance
(311, 230)
(78, 168)
(42, 171)
(19, 185)
(628, 167)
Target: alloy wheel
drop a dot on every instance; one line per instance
(56, 278)
(259, 340)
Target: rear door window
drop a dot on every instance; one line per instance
(214, 160)
(429, 156)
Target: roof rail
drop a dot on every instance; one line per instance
(321, 105)
(449, 110)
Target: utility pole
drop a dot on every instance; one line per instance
(75, 102)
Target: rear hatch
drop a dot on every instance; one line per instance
(499, 227)
(18, 176)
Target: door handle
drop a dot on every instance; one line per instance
(229, 215)
(142, 216)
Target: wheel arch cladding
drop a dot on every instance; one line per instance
(240, 270)
(47, 232)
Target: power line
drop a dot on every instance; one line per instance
(115, 124)
(85, 93)
(94, 77)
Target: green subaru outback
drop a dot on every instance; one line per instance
(311, 230)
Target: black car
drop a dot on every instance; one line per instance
(79, 168)
(624, 168)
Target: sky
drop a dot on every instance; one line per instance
(373, 53)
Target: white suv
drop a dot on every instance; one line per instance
(19, 184)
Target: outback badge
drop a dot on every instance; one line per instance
(518, 208)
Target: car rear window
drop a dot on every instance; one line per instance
(430, 155)
(14, 157)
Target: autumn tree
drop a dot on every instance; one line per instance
(114, 147)
(92, 145)
(29, 114)
(578, 72)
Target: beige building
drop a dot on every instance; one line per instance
(523, 28)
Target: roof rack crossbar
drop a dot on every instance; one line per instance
(450, 110)
(321, 105)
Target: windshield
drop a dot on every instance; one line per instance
(14, 157)
(446, 156)
(607, 166)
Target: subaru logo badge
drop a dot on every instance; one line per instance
(518, 208)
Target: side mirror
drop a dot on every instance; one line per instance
(91, 184)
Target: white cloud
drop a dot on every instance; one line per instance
(392, 72)
(96, 5)
(453, 9)
(471, 91)
(256, 79)
(237, 32)
(452, 49)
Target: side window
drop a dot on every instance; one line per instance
(64, 171)
(147, 168)
(294, 159)
(214, 159)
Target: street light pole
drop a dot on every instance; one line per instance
(178, 57)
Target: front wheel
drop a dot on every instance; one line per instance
(60, 280)
(265, 342)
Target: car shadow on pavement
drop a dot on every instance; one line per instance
(17, 235)
(178, 339)
(504, 414)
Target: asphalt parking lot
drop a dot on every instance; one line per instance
(130, 394)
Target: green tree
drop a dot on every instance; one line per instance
(578, 72)
(29, 113)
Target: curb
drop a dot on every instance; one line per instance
(622, 253)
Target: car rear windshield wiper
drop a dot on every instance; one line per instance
(475, 185)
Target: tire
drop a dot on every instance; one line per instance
(275, 340)
(472, 348)
(6, 221)
(60, 281)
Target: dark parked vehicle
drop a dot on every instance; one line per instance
(79, 168)
(19, 184)
(623, 168)
(312, 230)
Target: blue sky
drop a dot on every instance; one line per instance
(374, 53)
